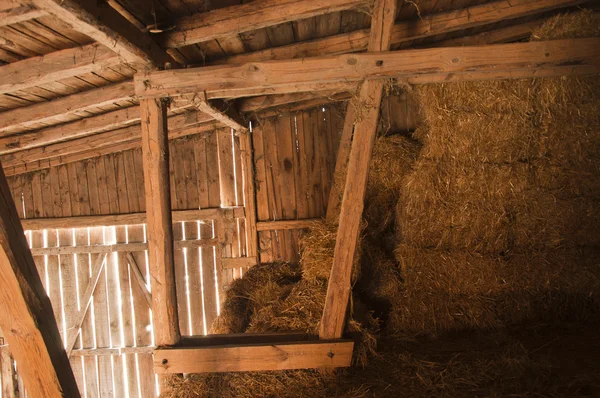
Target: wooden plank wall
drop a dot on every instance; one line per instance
(294, 157)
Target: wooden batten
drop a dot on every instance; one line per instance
(282, 225)
(19, 14)
(55, 66)
(155, 155)
(498, 61)
(254, 357)
(27, 318)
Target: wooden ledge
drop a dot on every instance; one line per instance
(250, 357)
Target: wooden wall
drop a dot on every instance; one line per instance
(294, 157)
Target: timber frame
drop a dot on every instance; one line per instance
(153, 101)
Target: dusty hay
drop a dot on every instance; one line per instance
(259, 285)
(463, 290)
(492, 220)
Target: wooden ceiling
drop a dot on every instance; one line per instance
(65, 78)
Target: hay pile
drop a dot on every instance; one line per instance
(498, 223)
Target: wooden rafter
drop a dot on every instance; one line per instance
(55, 66)
(183, 124)
(155, 157)
(19, 14)
(27, 318)
(105, 25)
(498, 61)
(365, 130)
(52, 111)
(406, 31)
(229, 21)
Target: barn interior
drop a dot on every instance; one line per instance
(267, 198)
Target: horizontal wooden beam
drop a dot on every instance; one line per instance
(73, 153)
(52, 111)
(263, 102)
(106, 26)
(406, 31)
(118, 247)
(238, 262)
(35, 224)
(287, 224)
(107, 351)
(55, 66)
(19, 14)
(254, 357)
(498, 61)
(229, 21)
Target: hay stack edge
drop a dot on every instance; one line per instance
(479, 262)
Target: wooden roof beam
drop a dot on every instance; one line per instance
(81, 128)
(228, 21)
(52, 111)
(19, 14)
(27, 318)
(108, 27)
(55, 66)
(427, 26)
(184, 124)
(497, 61)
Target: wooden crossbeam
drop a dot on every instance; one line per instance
(406, 31)
(155, 159)
(254, 357)
(27, 318)
(36, 224)
(498, 61)
(53, 111)
(55, 66)
(221, 111)
(105, 25)
(229, 21)
(238, 262)
(117, 247)
(87, 299)
(260, 103)
(287, 224)
(19, 14)
(365, 122)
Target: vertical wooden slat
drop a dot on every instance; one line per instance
(249, 193)
(226, 168)
(155, 152)
(131, 178)
(143, 336)
(180, 281)
(273, 185)
(111, 184)
(73, 188)
(210, 262)
(92, 180)
(262, 197)
(139, 173)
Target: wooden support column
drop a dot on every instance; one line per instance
(155, 156)
(365, 119)
(27, 319)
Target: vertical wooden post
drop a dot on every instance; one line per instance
(364, 119)
(27, 319)
(249, 193)
(155, 159)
